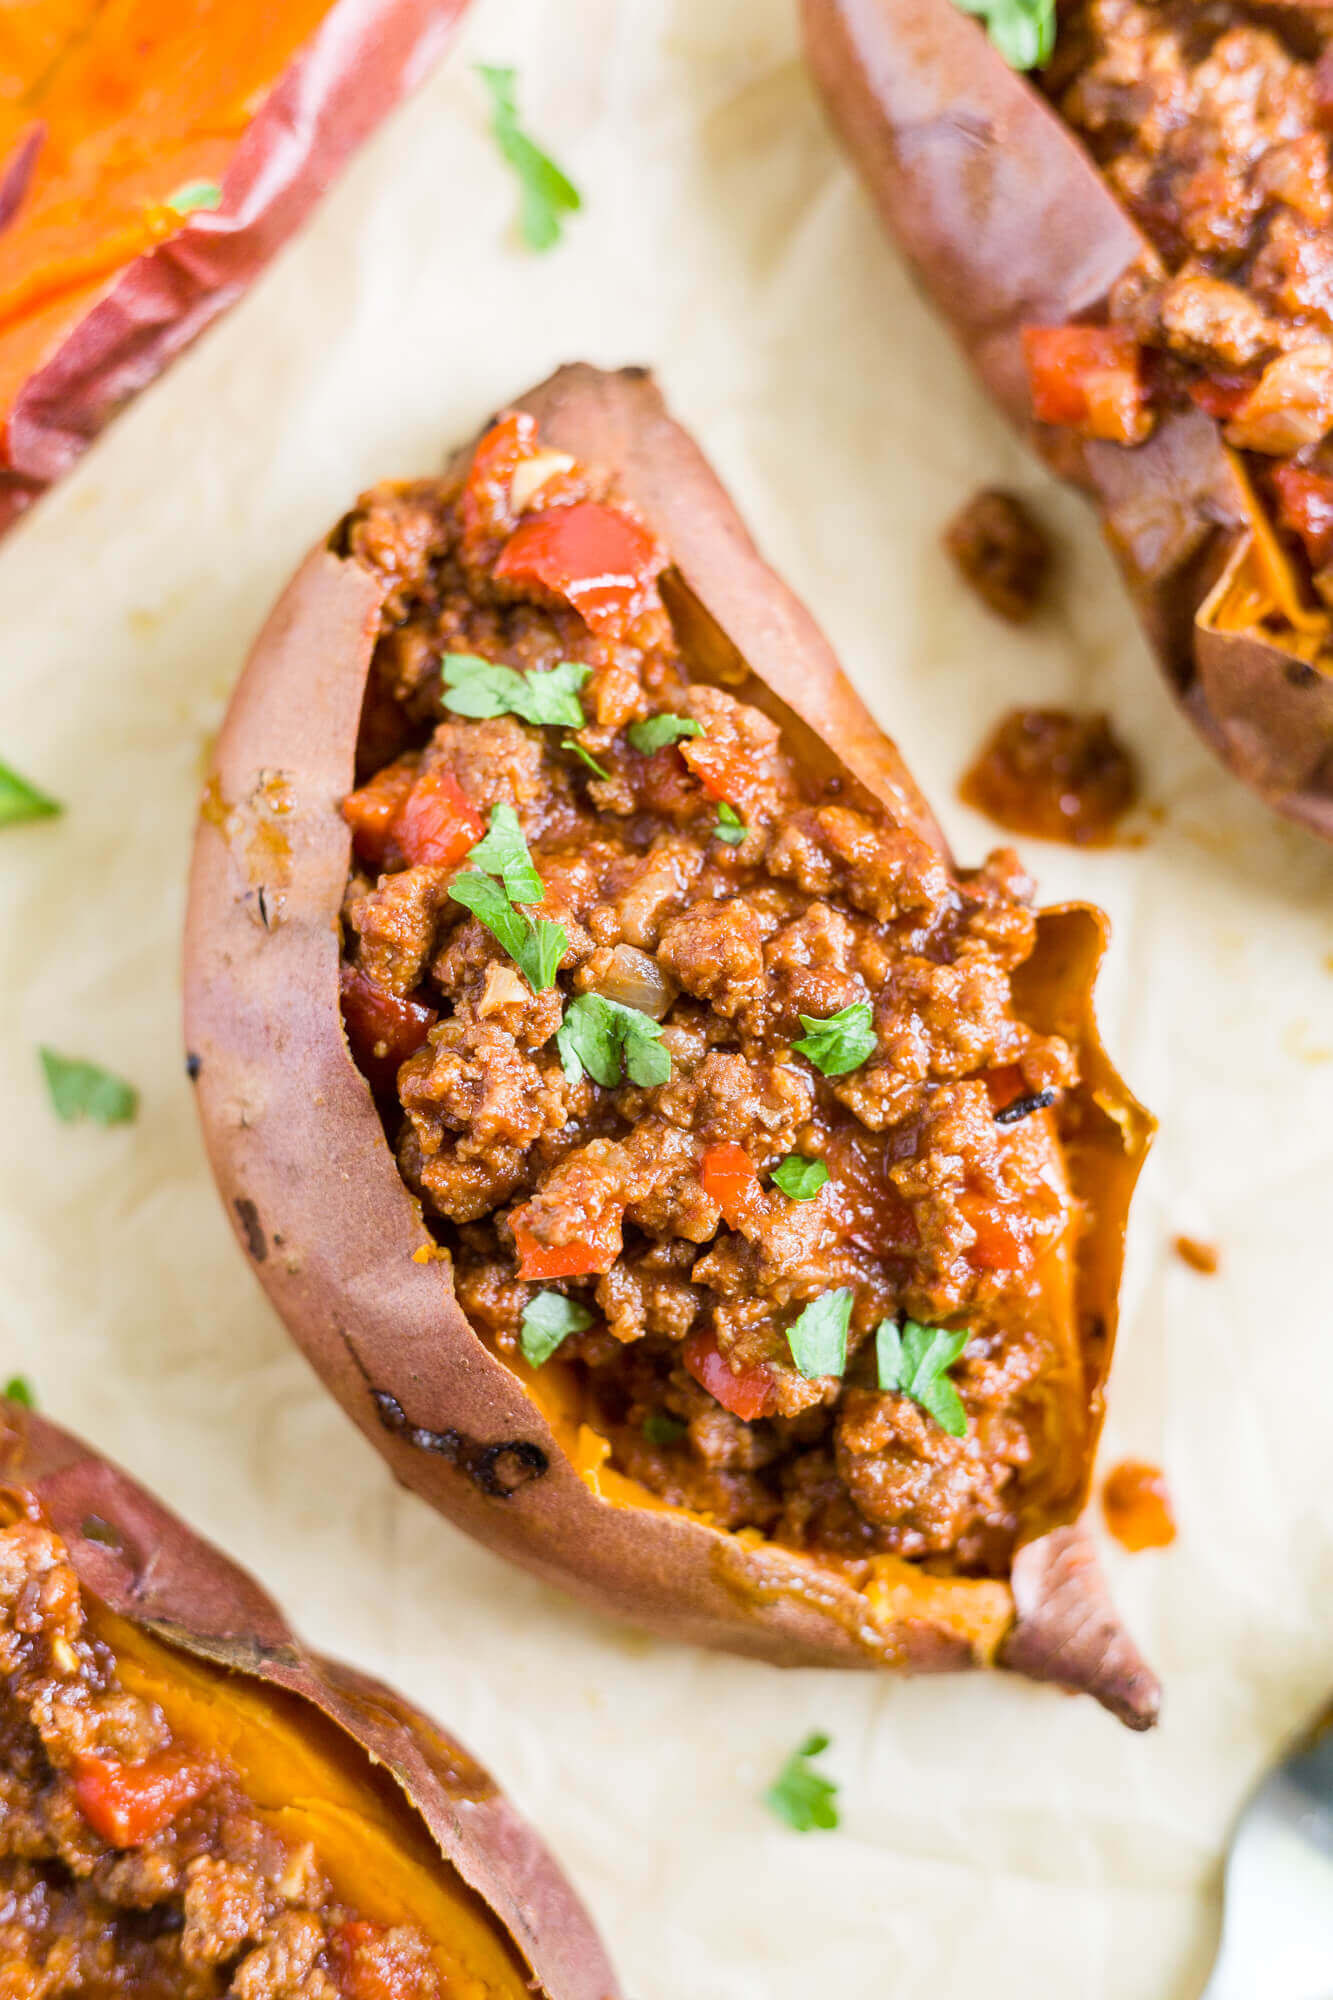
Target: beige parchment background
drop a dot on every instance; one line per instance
(997, 1838)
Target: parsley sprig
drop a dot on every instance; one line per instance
(801, 1795)
(18, 1389)
(536, 944)
(730, 828)
(481, 689)
(799, 1178)
(194, 195)
(546, 195)
(611, 1042)
(1022, 30)
(916, 1361)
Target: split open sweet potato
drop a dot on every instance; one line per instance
(1018, 235)
(185, 1777)
(704, 1470)
(152, 160)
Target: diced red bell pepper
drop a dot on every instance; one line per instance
(1087, 378)
(748, 1395)
(1222, 396)
(580, 1257)
(1306, 508)
(1005, 1233)
(437, 824)
(383, 1028)
(484, 507)
(372, 812)
(727, 1175)
(718, 770)
(594, 557)
(128, 1803)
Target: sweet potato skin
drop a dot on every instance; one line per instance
(1006, 222)
(362, 58)
(337, 1248)
(148, 1567)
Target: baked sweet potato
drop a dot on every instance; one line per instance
(1194, 313)
(655, 1463)
(199, 1796)
(152, 160)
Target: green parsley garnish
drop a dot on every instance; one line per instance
(536, 947)
(730, 828)
(663, 1430)
(545, 193)
(1022, 30)
(504, 852)
(83, 1090)
(916, 1362)
(800, 1178)
(659, 730)
(20, 801)
(800, 1795)
(818, 1338)
(194, 195)
(479, 688)
(608, 1041)
(840, 1043)
(18, 1389)
(547, 1319)
(586, 756)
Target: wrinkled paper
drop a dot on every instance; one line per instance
(996, 1836)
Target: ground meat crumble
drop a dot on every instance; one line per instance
(619, 1196)
(132, 1864)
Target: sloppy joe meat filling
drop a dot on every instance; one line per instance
(1211, 124)
(134, 1864)
(734, 1117)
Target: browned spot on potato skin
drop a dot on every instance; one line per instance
(193, 1065)
(251, 1227)
(501, 1469)
(94, 1529)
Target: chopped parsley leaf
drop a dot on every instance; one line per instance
(659, 730)
(818, 1337)
(800, 1178)
(731, 828)
(504, 852)
(800, 1795)
(1022, 30)
(586, 756)
(842, 1042)
(536, 947)
(659, 1429)
(195, 195)
(916, 1362)
(481, 689)
(545, 194)
(84, 1090)
(610, 1042)
(547, 1319)
(21, 801)
(18, 1389)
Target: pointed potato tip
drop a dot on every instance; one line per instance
(1068, 1631)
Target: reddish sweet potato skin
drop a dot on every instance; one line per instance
(1006, 222)
(154, 1571)
(299, 1153)
(365, 56)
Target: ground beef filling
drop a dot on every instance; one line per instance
(706, 884)
(1210, 121)
(132, 1864)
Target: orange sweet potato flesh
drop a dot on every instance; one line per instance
(405, 1824)
(109, 110)
(315, 1194)
(1007, 222)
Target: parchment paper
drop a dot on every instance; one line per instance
(997, 1838)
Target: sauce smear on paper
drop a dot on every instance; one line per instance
(1137, 1506)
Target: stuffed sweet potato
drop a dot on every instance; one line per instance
(714, 1199)
(152, 159)
(191, 1803)
(1134, 249)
